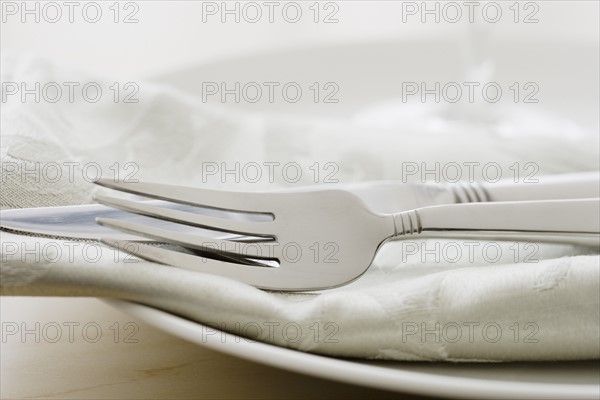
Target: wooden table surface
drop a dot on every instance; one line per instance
(82, 348)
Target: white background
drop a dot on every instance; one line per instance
(171, 35)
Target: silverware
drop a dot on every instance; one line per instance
(79, 222)
(317, 239)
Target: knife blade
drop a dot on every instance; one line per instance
(79, 222)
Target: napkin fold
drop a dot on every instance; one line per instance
(540, 303)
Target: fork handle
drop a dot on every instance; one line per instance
(564, 186)
(566, 221)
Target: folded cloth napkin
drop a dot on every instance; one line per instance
(515, 303)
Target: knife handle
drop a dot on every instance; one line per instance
(564, 186)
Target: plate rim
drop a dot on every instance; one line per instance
(348, 371)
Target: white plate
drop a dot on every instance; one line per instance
(568, 380)
(370, 77)
(347, 65)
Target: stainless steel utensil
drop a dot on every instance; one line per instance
(322, 238)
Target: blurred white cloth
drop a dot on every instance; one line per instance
(404, 308)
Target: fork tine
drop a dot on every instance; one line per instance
(216, 199)
(249, 228)
(252, 275)
(266, 249)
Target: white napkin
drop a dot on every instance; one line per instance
(404, 308)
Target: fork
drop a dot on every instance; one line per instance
(323, 238)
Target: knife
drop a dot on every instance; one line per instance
(79, 222)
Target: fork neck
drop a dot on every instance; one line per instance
(409, 222)
(575, 221)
